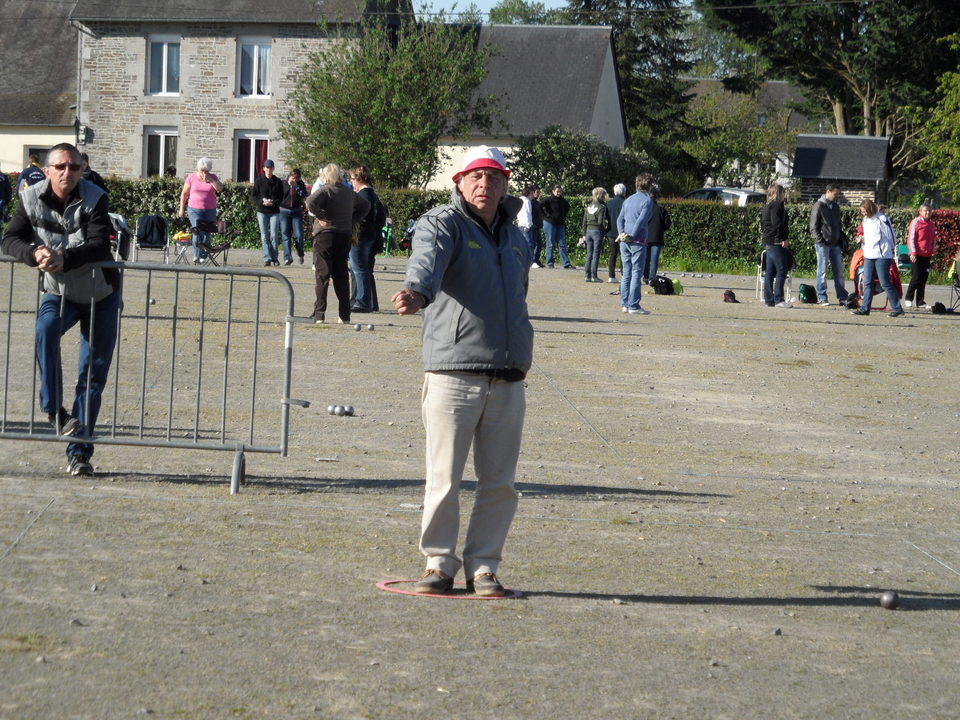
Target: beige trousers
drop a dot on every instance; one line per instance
(459, 410)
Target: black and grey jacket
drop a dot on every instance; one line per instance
(475, 283)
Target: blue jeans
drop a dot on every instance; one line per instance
(879, 268)
(195, 214)
(556, 236)
(362, 257)
(632, 256)
(532, 235)
(291, 220)
(653, 261)
(834, 256)
(594, 246)
(775, 274)
(269, 229)
(97, 352)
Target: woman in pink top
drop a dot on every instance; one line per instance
(922, 244)
(198, 201)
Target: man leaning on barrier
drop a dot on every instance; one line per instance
(61, 225)
(468, 270)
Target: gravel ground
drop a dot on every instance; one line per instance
(714, 497)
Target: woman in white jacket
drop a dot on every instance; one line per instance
(879, 244)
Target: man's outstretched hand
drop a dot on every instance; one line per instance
(408, 302)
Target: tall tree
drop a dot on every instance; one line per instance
(865, 59)
(651, 45)
(385, 96)
(940, 129)
(520, 12)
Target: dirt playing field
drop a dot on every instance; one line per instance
(713, 498)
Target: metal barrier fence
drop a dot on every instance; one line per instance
(197, 363)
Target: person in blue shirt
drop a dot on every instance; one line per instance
(632, 226)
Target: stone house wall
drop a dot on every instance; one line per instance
(207, 113)
(852, 192)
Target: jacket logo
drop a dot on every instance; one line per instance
(473, 245)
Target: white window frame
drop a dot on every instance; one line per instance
(166, 41)
(253, 136)
(163, 132)
(257, 42)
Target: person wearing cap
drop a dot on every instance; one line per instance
(468, 270)
(267, 194)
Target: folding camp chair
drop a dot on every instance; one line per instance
(151, 235)
(211, 251)
(903, 258)
(762, 273)
(955, 298)
(856, 272)
(120, 238)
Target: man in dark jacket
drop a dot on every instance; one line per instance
(267, 193)
(60, 226)
(469, 270)
(555, 209)
(827, 235)
(31, 174)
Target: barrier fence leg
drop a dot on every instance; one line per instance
(239, 471)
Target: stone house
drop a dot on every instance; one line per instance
(860, 165)
(163, 84)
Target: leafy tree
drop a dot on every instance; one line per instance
(651, 45)
(864, 59)
(577, 161)
(731, 146)
(520, 12)
(385, 95)
(940, 131)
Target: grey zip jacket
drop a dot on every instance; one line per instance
(475, 284)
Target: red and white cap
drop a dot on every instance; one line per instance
(483, 156)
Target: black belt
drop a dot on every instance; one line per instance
(508, 374)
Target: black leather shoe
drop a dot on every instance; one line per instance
(896, 313)
(860, 312)
(434, 582)
(486, 585)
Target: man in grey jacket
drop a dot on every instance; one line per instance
(468, 270)
(61, 226)
(827, 235)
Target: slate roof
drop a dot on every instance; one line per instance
(223, 11)
(38, 63)
(551, 70)
(842, 157)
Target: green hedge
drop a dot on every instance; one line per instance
(703, 234)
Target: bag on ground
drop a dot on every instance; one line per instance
(807, 293)
(662, 285)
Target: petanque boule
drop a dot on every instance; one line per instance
(339, 411)
(330, 409)
(348, 409)
(357, 326)
(153, 301)
(890, 600)
(369, 327)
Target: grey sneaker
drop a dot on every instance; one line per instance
(80, 465)
(638, 311)
(486, 585)
(67, 425)
(784, 304)
(434, 582)
(824, 303)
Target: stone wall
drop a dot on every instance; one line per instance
(852, 192)
(207, 113)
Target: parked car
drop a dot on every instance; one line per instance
(727, 195)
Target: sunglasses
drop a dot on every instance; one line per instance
(63, 166)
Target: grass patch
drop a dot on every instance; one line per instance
(29, 642)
